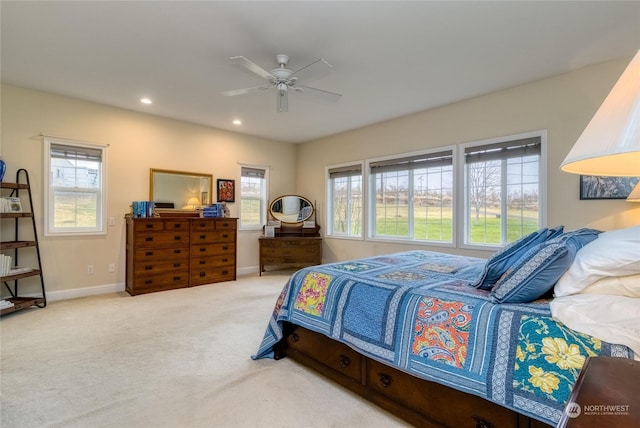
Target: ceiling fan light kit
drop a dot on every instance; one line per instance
(283, 79)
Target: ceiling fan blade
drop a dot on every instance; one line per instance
(332, 96)
(243, 91)
(316, 68)
(252, 66)
(283, 101)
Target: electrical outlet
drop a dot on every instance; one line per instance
(90, 270)
(112, 267)
(112, 221)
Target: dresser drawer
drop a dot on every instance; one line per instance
(160, 225)
(213, 249)
(213, 261)
(226, 224)
(169, 280)
(290, 243)
(336, 355)
(161, 266)
(203, 237)
(208, 275)
(161, 238)
(306, 252)
(203, 225)
(143, 254)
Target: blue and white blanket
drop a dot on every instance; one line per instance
(417, 311)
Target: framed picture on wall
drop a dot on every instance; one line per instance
(595, 187)
(226, 190)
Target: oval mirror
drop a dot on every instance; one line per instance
(179, 189)
(291, 209)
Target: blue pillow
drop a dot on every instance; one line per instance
(538, 270)
(497, 264)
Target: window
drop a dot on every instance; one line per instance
(344, 196)
(75, 188)
(503, 189)
(253, 197)
(412, 197)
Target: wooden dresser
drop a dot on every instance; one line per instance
(165, 253)
(293, 251)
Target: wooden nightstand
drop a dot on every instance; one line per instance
(606, 395)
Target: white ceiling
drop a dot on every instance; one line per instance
(390, 58)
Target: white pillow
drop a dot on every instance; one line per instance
(614, 319)
(616, 285)
(614, 253)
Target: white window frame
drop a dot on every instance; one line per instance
(349, 166)
(464, 204)
(371, 203)
(49, 190)
(263, 197)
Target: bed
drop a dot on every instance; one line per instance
(447, 340)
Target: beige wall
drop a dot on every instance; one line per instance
(137, 142)
(562, 105)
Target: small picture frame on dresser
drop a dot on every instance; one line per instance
(269, 231)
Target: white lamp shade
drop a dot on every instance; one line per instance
(610, 144)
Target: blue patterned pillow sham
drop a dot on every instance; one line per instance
(498, 264)
(537, 271)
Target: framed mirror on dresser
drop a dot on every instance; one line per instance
(292, 235)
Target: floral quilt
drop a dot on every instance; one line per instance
(417, 311)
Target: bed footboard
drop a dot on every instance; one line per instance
(418, 401)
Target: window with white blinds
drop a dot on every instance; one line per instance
(253, 196)
(503, 189)
(412, 197)
(75, 187)
(344, 201)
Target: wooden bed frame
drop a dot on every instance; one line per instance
(417, 401)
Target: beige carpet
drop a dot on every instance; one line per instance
(178, 358)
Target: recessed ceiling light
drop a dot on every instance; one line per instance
(237, 122)
(145, 100)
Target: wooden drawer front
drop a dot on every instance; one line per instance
(161, 266)
(213, 249)
(146, 283)
(290, 243)
(158, 225)
(169, 238)
(144, 254)
(299, 253)
(430, 398)
(208, 275)
(226, 224)
(336, 355)
(203, 225)
(213, 261)
(203, 237)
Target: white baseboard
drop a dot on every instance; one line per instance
(52, 296)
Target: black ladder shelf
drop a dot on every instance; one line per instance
(21, 302)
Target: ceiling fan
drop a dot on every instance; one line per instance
(283, 79)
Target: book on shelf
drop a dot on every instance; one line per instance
(18, 269)
(4, 304)
(5, 265)
(11, 204)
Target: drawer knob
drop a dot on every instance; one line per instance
(202, 262)
(385, 380)
(149, 253)
(202, 274)
(148, 267)
(177, 225)
(203, 236)
(149, 238)
(176, 278)
(177, 251)
(148, 281)
(149, 226)
(202, 250)
(177, 238)
(295, 337)
(345, 361)
(176, 265)
(225, 248)
(225, 260)
(224, 235)
(225, 272)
